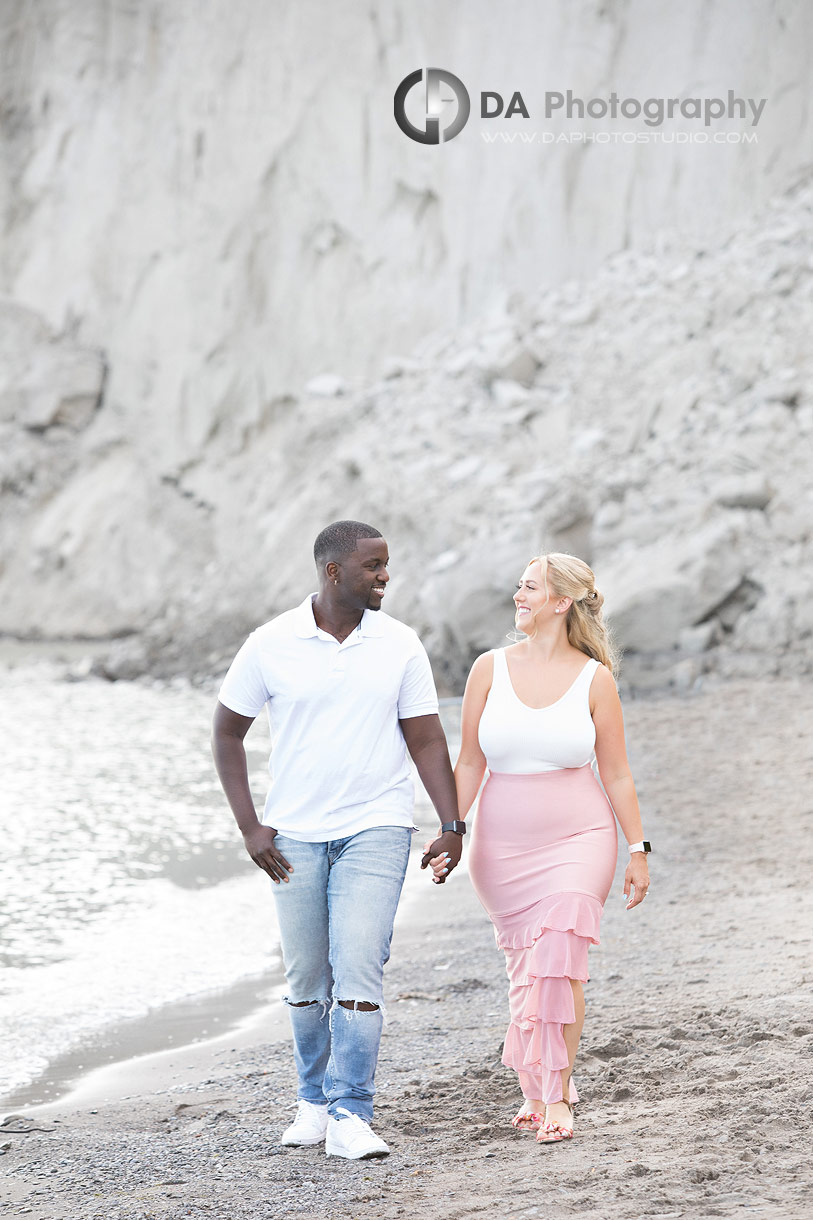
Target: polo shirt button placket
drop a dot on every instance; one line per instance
(336, 662)
(337, 667)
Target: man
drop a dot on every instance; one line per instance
(348, 691)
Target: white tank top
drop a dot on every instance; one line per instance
(521, 740)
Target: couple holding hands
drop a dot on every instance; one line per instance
(349, 694)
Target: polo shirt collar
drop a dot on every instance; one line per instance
(371, 623)
(305, 623)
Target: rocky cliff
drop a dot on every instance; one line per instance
(205, 208)
(656, 419)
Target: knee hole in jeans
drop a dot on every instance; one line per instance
(359, 1005)
(306, 1003)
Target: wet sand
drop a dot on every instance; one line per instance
(156, 1050)
(696, 1068)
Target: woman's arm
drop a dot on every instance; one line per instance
(614, 769)
(471, 762)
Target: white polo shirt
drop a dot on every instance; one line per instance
(339, 761)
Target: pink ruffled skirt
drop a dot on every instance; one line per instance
(542, 860)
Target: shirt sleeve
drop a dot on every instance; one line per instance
(417, 696)
(244, 689)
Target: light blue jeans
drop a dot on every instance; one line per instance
(335, 919)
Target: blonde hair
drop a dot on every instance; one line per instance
(568, 576)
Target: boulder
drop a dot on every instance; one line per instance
(45, 381)
(522, 366)
(744, 491)
(326, 385)
(654, 593)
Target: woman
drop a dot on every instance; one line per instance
(544, 846)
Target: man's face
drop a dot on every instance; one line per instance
(363, 575)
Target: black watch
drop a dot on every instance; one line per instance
(458, 828)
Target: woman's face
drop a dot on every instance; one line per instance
(530, 598)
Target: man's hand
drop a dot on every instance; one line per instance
(259, 843)
(443, 854)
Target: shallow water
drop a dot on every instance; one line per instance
(125, 891)
(124, 883)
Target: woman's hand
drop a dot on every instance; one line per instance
(636, 879)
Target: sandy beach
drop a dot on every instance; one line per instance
(695, 1070)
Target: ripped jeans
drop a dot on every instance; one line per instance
(335, 919)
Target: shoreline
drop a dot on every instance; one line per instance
(124, 1059)
(697, 1041)
(172, 1044)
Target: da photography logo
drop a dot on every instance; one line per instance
(439, 110)
(438, 83)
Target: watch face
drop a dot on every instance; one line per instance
(647, 845)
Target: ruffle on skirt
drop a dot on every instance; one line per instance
(546, 946)
(565, 912)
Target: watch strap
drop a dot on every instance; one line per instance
(458, 828)
(644, 846)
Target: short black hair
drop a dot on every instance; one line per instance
(340, 539)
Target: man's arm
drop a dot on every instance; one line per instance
(426, 743)
(228, 730)
(471, 763)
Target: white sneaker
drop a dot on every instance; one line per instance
(351, 1137)
(308, 1127)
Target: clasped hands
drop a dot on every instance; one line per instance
(443, 855)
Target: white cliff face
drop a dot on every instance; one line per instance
(204, 208)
